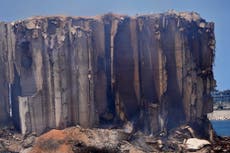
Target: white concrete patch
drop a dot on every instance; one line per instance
(23, 110)
(196, 144)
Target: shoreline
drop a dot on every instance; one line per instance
(219, 115)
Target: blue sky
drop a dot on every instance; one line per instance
(217, 11)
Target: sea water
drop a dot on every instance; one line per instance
(222, 127)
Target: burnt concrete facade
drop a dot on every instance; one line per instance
(153, 70)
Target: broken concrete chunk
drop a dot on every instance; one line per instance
(202, 25)
(30, 24)
(196, 144)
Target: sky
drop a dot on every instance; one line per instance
(217, 11)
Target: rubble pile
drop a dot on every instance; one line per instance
(77, 139)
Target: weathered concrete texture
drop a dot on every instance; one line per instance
(152, 70)
(6, 54)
